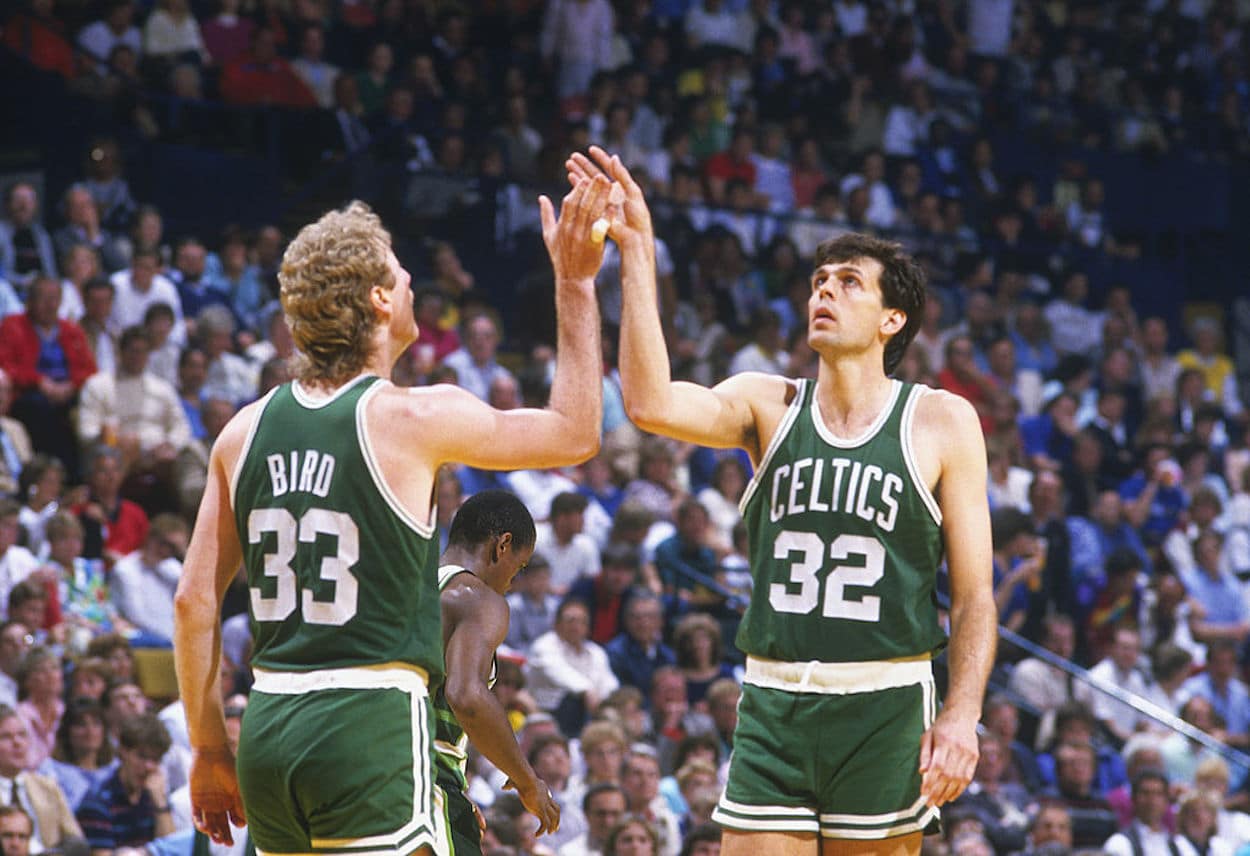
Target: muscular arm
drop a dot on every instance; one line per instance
(721, 417)
(213, 559)
(949, 749)
(966, 532)
(475, 622)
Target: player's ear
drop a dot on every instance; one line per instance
(503, 545)
(380, 299)
(893, 321)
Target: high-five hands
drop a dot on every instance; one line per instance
(574, 254)
(628, 218)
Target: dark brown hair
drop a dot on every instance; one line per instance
(902, 283)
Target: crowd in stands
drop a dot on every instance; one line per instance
(1119, 472)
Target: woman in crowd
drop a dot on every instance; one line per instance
(40, 686)
(83, 756)
(697, 643)
(633, 836)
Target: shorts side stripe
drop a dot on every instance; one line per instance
(874, 819)
(765, 825)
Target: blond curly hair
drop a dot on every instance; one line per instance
(326, 275)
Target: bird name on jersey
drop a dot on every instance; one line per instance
(837, 485)
(307, 471)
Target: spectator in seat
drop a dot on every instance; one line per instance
(610, 592)
(639, 649)
(54, 826)
(144, 581)
(1146, 835)
(262, 78)
(48, 360)
(112, 526)
(131, 808)
(26, 249)
(83, 755)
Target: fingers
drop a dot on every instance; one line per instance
(547, 214)
(926, 749)
(946, 775)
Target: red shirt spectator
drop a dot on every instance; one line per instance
(20, 343)
(38, 36)
(261, 77)
(734, 162)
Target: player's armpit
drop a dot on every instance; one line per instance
(738, 412)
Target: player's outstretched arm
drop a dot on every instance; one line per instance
(475, 622)
(213, 558)
(567, 430)
(719, 417)
(949, 750)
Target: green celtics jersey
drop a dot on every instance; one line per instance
(339, 573)
(450, 742)
(845, 541)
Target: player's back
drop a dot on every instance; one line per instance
(339, 573)
(845, 540)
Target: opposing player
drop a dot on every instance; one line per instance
(861, 482)
(323, 492)
(491, 538)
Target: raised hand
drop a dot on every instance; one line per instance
(574, 255)
(630, 220)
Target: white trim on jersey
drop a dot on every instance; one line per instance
(425, 530)
(316, 402)
(909, 456)
(779, 436)
(247, 443)
(867, 434)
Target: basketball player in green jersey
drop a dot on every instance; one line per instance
(491, 539)
(323, 492)
(861, 484)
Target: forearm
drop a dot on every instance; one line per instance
(164, 819)
(197, 653)
(645, 371)
(974, 633)
(485, 721)
(576, 391)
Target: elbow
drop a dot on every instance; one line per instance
(465, 699)
(645, 413)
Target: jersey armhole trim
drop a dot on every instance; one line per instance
(425, 530)
(447, 573)
(779, 436)
(909, 455)
(247, 442)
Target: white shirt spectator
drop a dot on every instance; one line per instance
(773, 179)
(130, 304)
(232, 378)
(904, 130)
(143, 405)
(165, 35)
(98, 40)
(569, 562)
(1106, 708)
(144, 594)
(719, 27)
(1081, 328)
(1152, 843)
(556, 668)
(16, 565)
(852, 17)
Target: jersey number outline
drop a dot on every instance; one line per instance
(335, 568)
(803, 573)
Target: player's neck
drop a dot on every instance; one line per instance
(851, 392)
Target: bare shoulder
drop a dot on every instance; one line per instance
(948, 421)
(229, 443)
(430, 403)
(467, 596)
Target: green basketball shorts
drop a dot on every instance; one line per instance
(830, 748)
(339, 761)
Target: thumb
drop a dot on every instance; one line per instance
(926, 750)
(547, 214)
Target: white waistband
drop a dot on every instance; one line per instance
(388, 676)
(836, 678)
